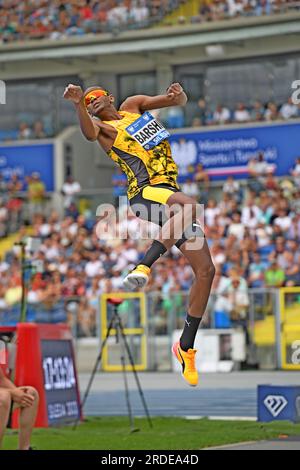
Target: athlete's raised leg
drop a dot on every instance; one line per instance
(183, 211)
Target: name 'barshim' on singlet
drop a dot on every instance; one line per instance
(142, 151)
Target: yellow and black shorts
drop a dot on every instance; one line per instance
(149, 204)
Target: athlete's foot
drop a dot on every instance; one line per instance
(138, 277)
(187, 361)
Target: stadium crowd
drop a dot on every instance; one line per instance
(208, 115)
(253, 234)
(37, 19)
(175, 118)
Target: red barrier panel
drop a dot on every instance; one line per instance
(45, 360)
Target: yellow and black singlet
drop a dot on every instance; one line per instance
(142, 167)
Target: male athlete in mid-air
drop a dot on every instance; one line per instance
(137, 143)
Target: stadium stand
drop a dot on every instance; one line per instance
(55, 20)
(253, 234)
(40, 19)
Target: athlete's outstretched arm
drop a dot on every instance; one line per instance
(175, 96)
(88, 127)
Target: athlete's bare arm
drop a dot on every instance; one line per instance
(88, 125)
(175, 96)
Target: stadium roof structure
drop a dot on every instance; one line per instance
(241, 37)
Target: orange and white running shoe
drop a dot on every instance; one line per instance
(187, 361)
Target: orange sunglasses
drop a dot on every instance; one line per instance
(93, 95)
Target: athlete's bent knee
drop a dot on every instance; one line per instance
(5, 400)
(33, 392)
(206, 271)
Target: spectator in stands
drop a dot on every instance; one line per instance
(119, 183)
(70, 189)
(257, 112)
(233, 298)
(3, 219)
(3, 188)
(24, 131)
(190, 188)
(211, 212)
(203, 182)
(258, 170)
(283, 220)
(241, 114)
(218, 9)
(72, 211)
(296, 173)
(205, 11)
(271, 184)
(256, 270)
(271, 113)
(203, 113)
(237, 291)
(218, 254)
(262, 7)
(196, 122)
(139, 13)
(251, 214)
(15, 202)
(232, 188)
(118, 15)
(288, 110)
(38, 130)
(94, 266)
(36, 194)
(13, 292)
(287, 188)
(3, 304)
(294, 230)
(235, 7)
(292, 270)
(221, 115)
(236, 228)
(27, 400)
(86, 319)
(274, 276)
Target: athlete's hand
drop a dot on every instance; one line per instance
(73, 93)
(22, 397)
(174, 90)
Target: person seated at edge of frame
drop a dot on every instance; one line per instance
(24, 398)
